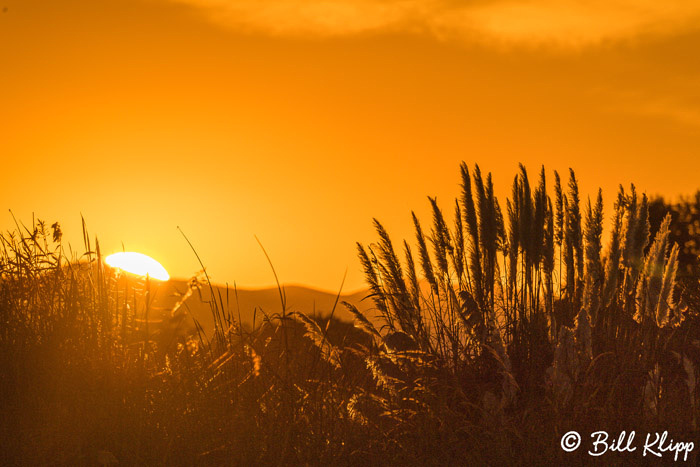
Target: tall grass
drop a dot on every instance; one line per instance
(496, 331)
(523, 315)
(94, 372)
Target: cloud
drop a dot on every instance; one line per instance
(572, 23)
(314, 17)
(677, 101)
(534, 22)
(679, 111)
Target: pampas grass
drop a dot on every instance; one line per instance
(476, 310)
(492, 334)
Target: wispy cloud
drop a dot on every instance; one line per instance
(529, 22)
(678, 101)
(681, 112)
(573, 22)
(317, 17)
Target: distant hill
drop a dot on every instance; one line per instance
(253, 304)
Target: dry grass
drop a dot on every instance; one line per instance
(501, 331)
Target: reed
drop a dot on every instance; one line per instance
(493, 334)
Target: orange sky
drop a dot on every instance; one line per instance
(299, 121)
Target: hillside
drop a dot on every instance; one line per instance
(254, 304)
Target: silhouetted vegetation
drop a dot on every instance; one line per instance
(684, 229)
(499, 329)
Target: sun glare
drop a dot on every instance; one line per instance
(139, 264)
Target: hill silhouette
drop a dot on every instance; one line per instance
(253, 304)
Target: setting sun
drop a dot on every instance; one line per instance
(379, 232)
(138, 263)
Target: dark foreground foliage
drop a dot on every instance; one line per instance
(495, 333)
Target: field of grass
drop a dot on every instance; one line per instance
(502, 328)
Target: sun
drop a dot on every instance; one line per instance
(139, 264)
